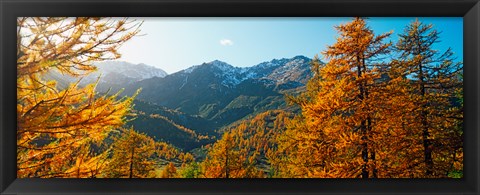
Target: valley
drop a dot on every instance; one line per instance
(189, 108)
(373, 102)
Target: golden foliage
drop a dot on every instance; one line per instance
(334, 137)
(56, 127)
(244, 146)
(363, 116)
(132, 156)
(170, 171)
(434, 89)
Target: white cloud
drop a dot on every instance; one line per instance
(226, 42)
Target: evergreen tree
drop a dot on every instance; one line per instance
(191, 170)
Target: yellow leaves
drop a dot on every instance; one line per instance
(169, 171)
(71, 42)
(242, 146)
(73, 117)
(355, 110)
(78, 162)
(133, 155)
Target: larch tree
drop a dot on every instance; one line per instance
(88, 164)
(435, 82)
(133, 156)
(224, 160)
(290, 158)
(169, 171)
(247, 149)
(55, 127)
(186, 158)
(398, 149)
(337, 134)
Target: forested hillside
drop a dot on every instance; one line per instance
(371, 105)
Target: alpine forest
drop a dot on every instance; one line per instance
(368, 104)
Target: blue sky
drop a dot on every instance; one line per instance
(174, 44)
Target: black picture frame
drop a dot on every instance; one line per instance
(10, 9)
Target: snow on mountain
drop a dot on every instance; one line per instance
(209, 88)
(134, 71)
(120, 73)
(231, 75)
(189, 70)
(111, 73)
(278, 70)
(296, 69)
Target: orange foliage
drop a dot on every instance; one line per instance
(363, 116)
(133, 156)
(244, 147)
(56, 127)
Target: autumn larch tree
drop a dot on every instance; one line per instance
(247, 149)
(169, 171)
(55, 127)
(133, 156)
(435, 82)
(336, 136)
(225, 159)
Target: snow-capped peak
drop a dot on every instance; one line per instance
(221, 65)
(190, 69)
(232, 75)
(135, 72)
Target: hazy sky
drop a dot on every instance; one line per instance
(174, 44)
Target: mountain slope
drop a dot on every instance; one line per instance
(187, 108)
(221, 93)
(135, 72)
(113, 74)
(209, 89)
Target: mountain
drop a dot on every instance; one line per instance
(135, 72)
(200, 125)
(113, 74)
(278, 71)
(189, 108)
(222, 93)
(162, 129)
(117, 74)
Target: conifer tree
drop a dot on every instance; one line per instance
(398, 145)
(133, 156)
(435, 80)
(245, 146)
(170, 171)
(336, 136)
(225, 159)
(88, 164)
(55, 127)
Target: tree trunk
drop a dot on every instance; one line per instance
(363, 127)
(423, 117)
(226, 163)
(131, 162)
(369, 120)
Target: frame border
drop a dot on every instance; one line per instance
(468, 9)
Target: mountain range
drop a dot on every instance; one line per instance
(120, 73)
(207, 89)
(188, 108)
(110, 74)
